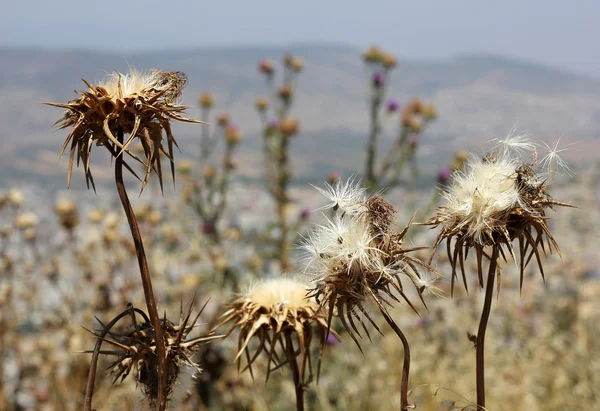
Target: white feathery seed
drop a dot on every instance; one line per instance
(485, 189)
(279, 291)
(348, 196)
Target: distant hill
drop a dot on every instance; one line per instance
(478, 97)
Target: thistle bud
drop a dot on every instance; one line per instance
(96, 216)
(389, 61)
(206, 100)
(15, 198)
(415, 106)
(223, 119)
(373, 55)
(298, 65)
(184, 167)
(286, 92)
(68, 216)
(231, 163)
(289, 126)
(209, 172)
(26, 220)
(232, 134)
(412, 123)
(429, 112)
(444, 175)
(288, 60)
(378, 80)
(392, 106)
(333, 177)
(266, 67)
(262, 103)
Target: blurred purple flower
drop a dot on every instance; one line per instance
(392, 106)
(331, 340)
(378, 79)
(304, 214)
(444, 175)
(274, 123)
(208, 228)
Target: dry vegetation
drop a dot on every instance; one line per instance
(70, 280)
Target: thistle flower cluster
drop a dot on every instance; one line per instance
(496, 199)
(135, 350)
(358, 256)
(274, 310)
(137, 104)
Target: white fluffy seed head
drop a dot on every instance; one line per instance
(348, 196)
(131, 84)
(483, 191)
(275, 292)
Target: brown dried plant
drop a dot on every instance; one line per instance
(498, 199)
(140, 105)
(137, 104)
(356, 258)
(135, 349)
(274, 311)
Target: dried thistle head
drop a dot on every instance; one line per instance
(358, 257)
(272, 311)
(137, 104)
(494, 200)
(135, 350)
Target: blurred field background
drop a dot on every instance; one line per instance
(66, 256)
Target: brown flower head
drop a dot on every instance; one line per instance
(285, 92)
(289, 126)
(68, 217)
(273, 312)
(373, 55)
(495, 200)
(262, 103)
(137, 104)
(266, 67)
(206, 100)
(134, 349)
(358, 257)
(389, 61)
(223, 119)
(232, 134)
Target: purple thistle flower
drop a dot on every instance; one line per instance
(274, 123)
(378, 79)
(392, 106)
(304, 214)
(331, 340)
(444, 175)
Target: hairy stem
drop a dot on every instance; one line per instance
(146, 279)
(289, 345)
(371, 179)
(480, 342)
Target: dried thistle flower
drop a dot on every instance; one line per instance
(374, 54)
(289, 126)
(357, 256)
(68, 217)
(492, 202)
(273, 310)
(262, 103)
(15, 197)
(135, 350)
(138, 104)
(26, 220)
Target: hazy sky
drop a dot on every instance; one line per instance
(561, 33)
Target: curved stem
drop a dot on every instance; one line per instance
(146, 279)
(289, 345)
(483, 321)
(404, 405)
(89, 388)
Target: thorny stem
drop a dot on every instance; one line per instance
(289, 345)
(146, 279)
(404, 405)
(485, 315)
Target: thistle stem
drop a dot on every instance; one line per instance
(371, 179)
(146, 279)
(480, 342)
(404, 405)
(289, 345)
